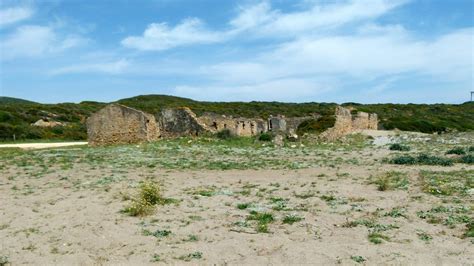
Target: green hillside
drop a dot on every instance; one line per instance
(16, 115)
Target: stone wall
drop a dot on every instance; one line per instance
(118, 124)
(238, 126)
(179, 122)
(346, 123)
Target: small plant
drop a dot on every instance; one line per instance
(391, 180)
(467, 159)
(457, 151)
(377, 238)
(470, 149)
(4, 260)
(224, 134)
(263, 219)
(425, 237)
(243, 206)
(155, 258)
(358, 259)
(157, 233)
(470, 229)
(191, 256)
(396, 212)
(144, 204)
(265, 137)
(399, 147)
(291, 219)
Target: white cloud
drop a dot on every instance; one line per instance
(159, 36)
(35, 41)
(14, 14)
(114, 67)
(261, 20)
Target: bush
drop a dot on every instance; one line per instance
(423, 159)
(265, 137)
(224, 134)
(144, 203)
(468, 159)
(470, 149)
(457, 150)
(399, 147)
(406, 159)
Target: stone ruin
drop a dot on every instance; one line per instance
(347, 123)
(121, 124)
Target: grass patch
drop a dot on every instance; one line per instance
(399, 147)
(243, 206)
(358, 259)
(157, 233)
(391, 180)
(457, 151)
(191, 256)
(291, 219)
(377, 238)
(148, 197)
(263, 219)
(447, 183)
(422, 159)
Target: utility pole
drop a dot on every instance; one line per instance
(472, 93)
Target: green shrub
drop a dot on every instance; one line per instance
(422, 159)
(265, 137)
(468, 159)
(457, 150)
(144, 204)
(224, 134)
(470, 229)
(391, 180)
(470, 149)
(399, 147)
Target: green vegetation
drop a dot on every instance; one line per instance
(16, 115)
(358, 259)
(291, 219)
(447, 183)
(399, 147)
(144, 203)
(422, 159)
(263, 219)
(195, 255)
(224, 134)
(265, 137)
(391, 180)
(377, 238)
(457, 150)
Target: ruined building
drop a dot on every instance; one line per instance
(119, 124)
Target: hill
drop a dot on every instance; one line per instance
(16, 115)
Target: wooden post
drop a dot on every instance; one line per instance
(14, 137)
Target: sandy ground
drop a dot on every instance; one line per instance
(28, 146)
(70, 218)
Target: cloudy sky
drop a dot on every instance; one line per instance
(367, 51)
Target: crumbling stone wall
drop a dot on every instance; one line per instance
(180, 122)
(238, 126)
(119, 124)
(347, 123)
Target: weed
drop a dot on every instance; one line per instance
(192, 238)
(424, 236)
(391, 180)
(457, 150)
(148, 197)
(4, 260)
(377, 238)
(191, 256)
(263, 219)
(243, 206)
(470, 229)
(399, 147)
(358, 259)
(396, 212)
(291, 219)
(155, 258)
(447, 183)
(467, 159)
(158, 233)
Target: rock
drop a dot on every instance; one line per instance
(46, 123)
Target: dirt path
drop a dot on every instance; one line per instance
(28, 146)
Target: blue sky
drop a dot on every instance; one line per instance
(368, 51)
